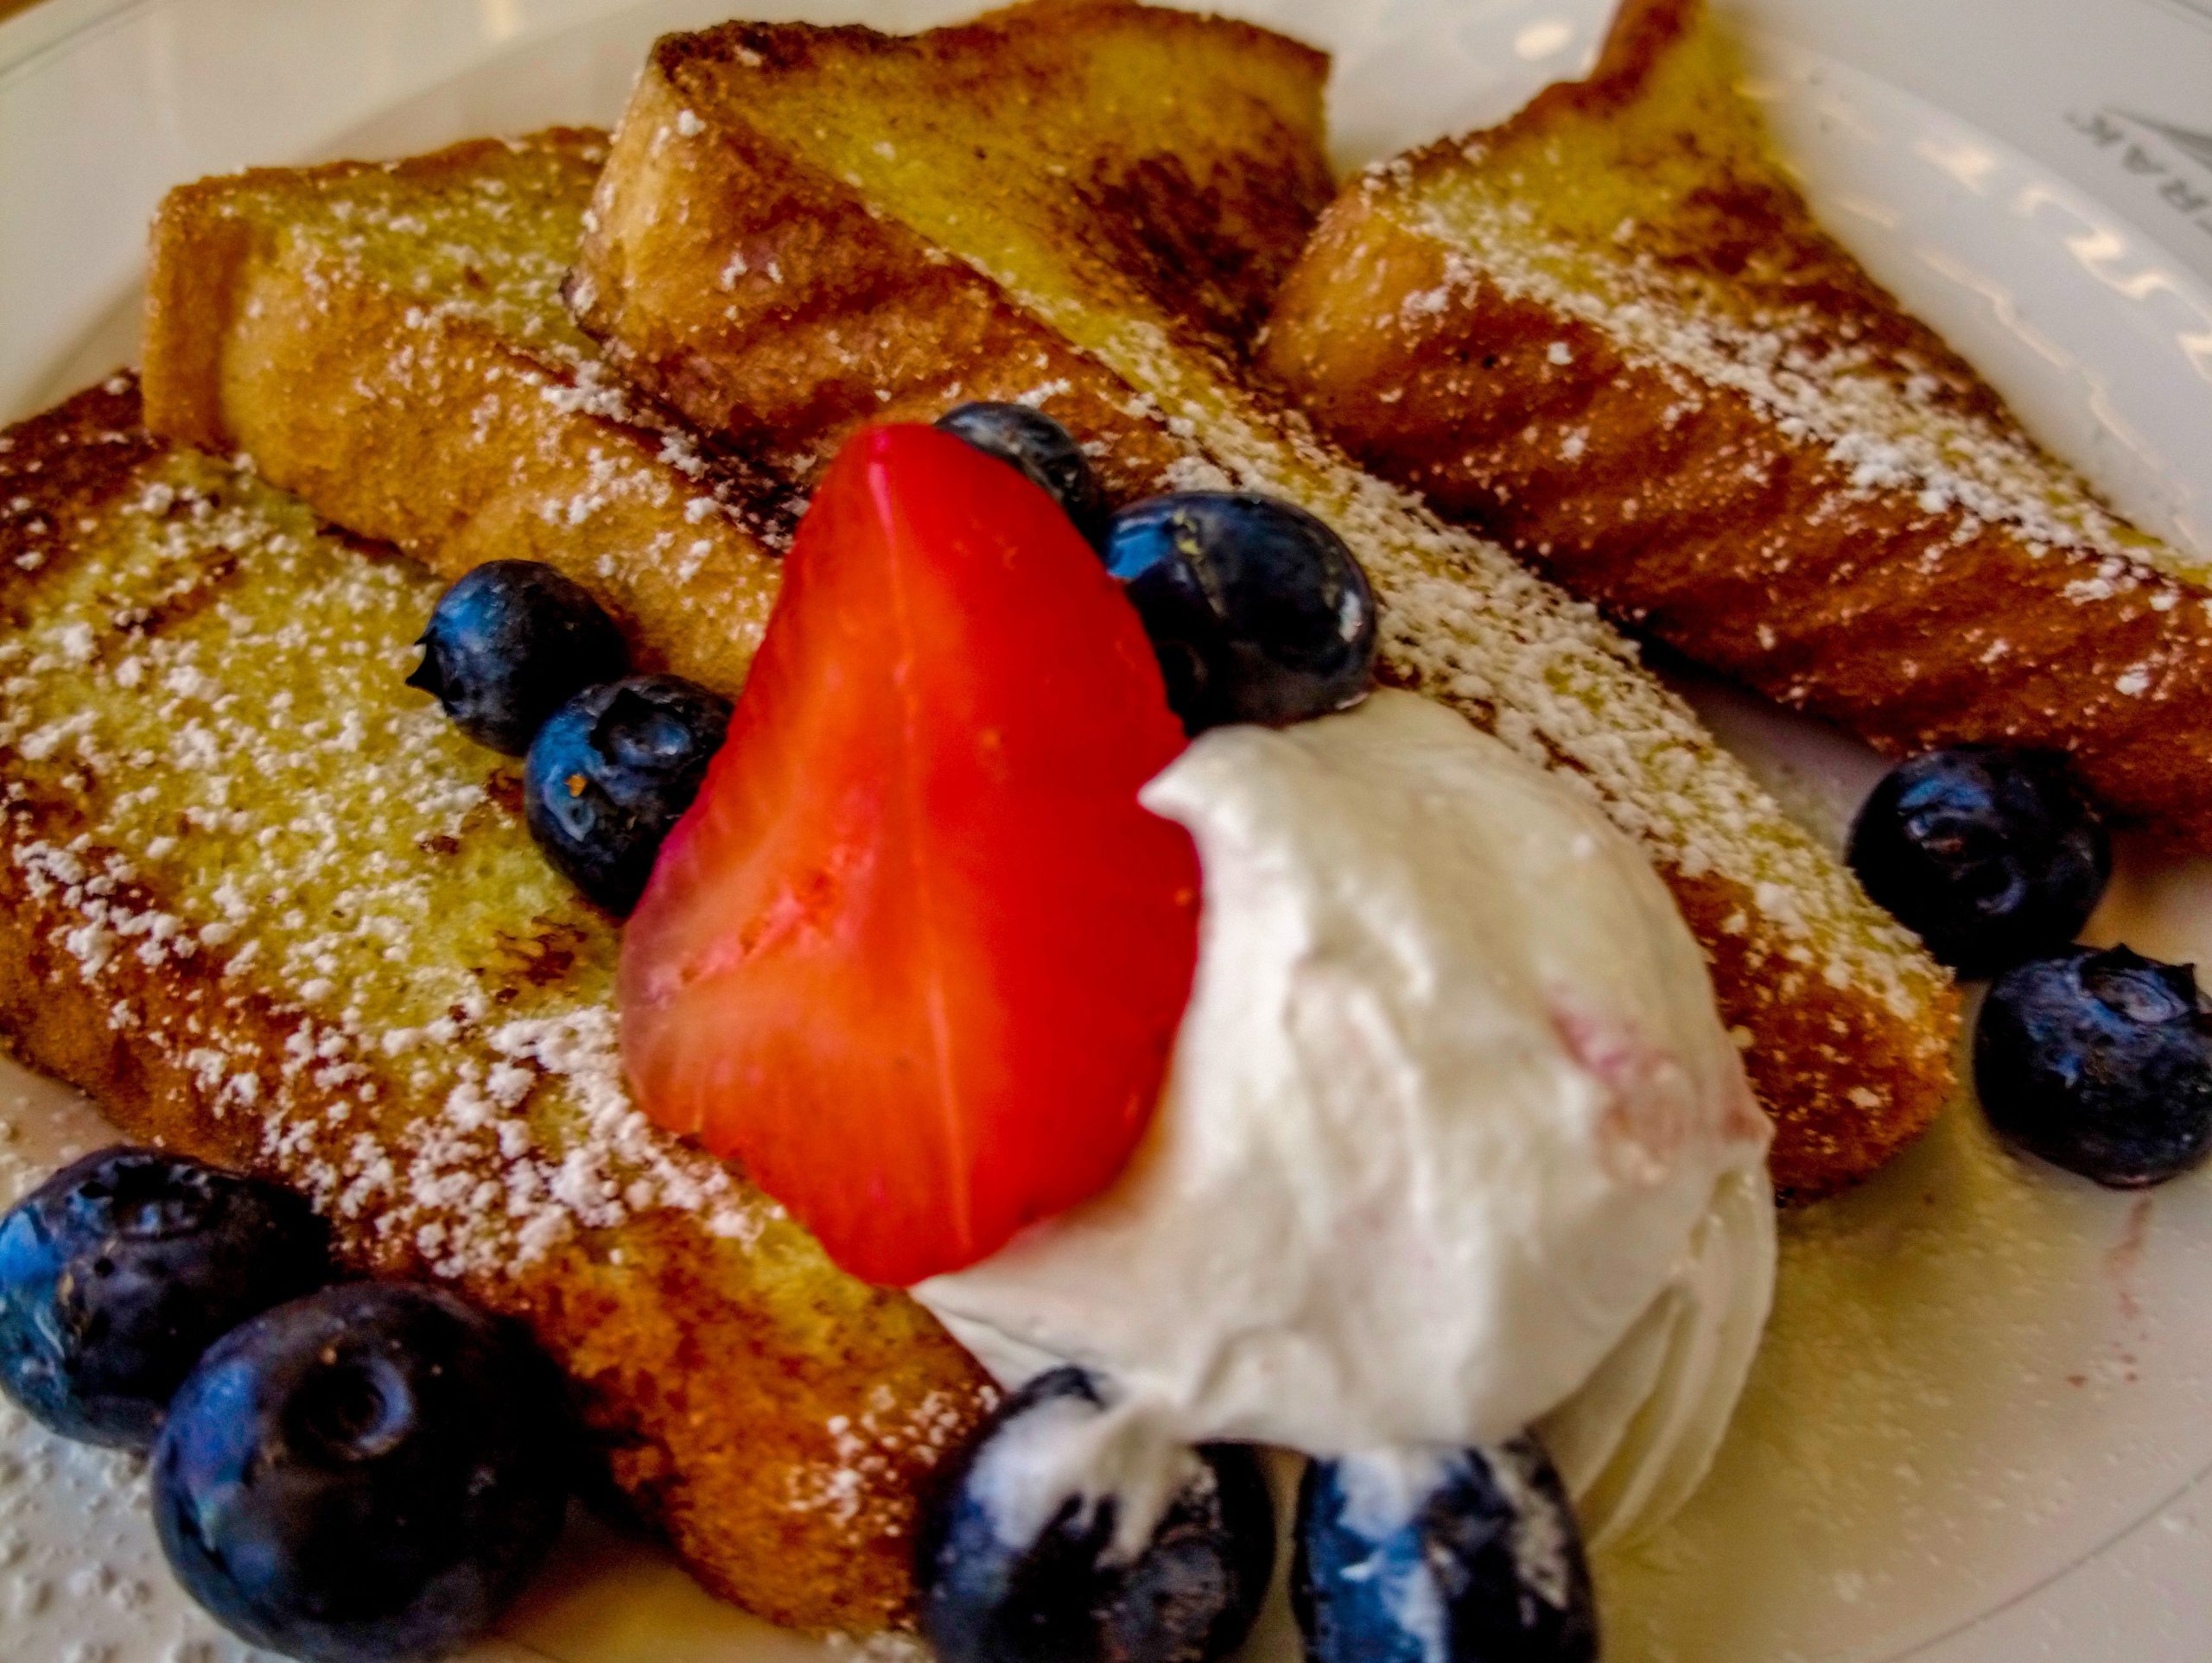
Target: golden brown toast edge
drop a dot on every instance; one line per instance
(776, 1420)
(1201, 225)
(1210, 229)
(1849, 1074)
(430, 427)
(1694, 514)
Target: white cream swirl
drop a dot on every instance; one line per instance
(1453, 1143)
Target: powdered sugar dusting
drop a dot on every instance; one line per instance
(462, 1108)
(1464, 621)
(867, 1450)
(438, 285)
(62, 1597)
(579, 1047)
(1891, 420)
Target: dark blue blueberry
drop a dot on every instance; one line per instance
(508, 644)
(1449, 1556)
(2101, 1063)
(1256, 610)
(612, 770)
(1991, 856)
(1018, 1562)
(364, 1475)
(1042, 449)
(119, 1270)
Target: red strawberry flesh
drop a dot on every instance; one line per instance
(916, 956)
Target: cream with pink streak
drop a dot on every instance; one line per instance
(1454, 1142)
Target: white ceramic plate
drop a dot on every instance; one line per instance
(1979, 1430)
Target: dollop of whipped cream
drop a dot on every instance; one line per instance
(1453, 1142)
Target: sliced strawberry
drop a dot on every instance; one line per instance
(916, 956)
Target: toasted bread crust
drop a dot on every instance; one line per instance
(1199, 216)
(866, 315)
(297, 314)
(877, 328)
(1202, 201)
(862, 322)
(774, 1418)
(1823, 568)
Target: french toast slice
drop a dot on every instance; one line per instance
(263, 903)
(1609, 333)
(387, 340)
(909, 212)
(1186, 157)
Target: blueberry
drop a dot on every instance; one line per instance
(366, 1475)
(612, 770)
(1257, 610)
(507, 643)
(119, 1270)
(1018, 1558)
(1446, 1555)
(1042, 449)
(1989, 856)
(2101, 1063)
